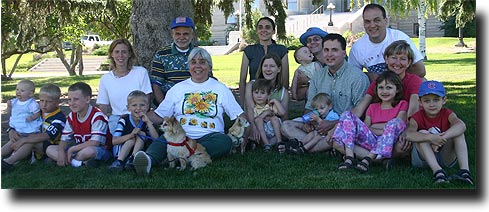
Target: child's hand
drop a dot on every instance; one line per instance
(13, 135)
(437, 140)
(435, 148)
(272, 101)
(135, 131)
(316, 118)
(29, 119)
(146, 120)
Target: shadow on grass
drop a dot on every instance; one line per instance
(452, 61)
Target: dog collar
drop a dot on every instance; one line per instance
(184, 143)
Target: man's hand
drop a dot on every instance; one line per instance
(325, 126)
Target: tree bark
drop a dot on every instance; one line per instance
(15, 66)
(422, 27)
(460, 38)
(150, 25)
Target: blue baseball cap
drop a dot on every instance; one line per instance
(312, 31)
(182, 22)
(432, 87)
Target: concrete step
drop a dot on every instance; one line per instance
(55, 64)
(342, 21)
(217, 50)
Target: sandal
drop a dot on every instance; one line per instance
(283, 147)
(297, 147)
(390, 163)
(267, 147)
(440, 176)
(362, 166)
(293, 146)
(347, 165)
(464, 176)
(335, 154)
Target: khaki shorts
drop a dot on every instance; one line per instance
(416, 160)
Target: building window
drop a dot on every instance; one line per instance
(292, 5)
(416, 29)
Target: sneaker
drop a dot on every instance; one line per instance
(6, 167)
(129, 163)
(92, 163)
(33, 158)
(116, 166)
(142, 163)
(49, 161)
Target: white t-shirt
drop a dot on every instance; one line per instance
(199, 107)
(368, 55)
(113, 91)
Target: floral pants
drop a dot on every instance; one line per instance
(352, 131)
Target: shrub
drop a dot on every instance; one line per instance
(101, 51)
(351, 38)
(291, 42)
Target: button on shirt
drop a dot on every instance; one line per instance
(346, 87)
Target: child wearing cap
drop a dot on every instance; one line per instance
(438, 135)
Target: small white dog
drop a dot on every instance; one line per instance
(236, 133)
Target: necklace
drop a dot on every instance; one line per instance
(118, 74)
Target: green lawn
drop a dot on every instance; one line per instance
(260, 170)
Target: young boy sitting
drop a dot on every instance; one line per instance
(86, 137)
(438, 135)
(52, 125)
(130, 130)
(307, 68)
(267, 113)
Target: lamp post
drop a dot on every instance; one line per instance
(330, 8)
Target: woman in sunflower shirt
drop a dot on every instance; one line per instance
(198, 103)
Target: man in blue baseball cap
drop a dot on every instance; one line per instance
(313, 39)
(170, 64)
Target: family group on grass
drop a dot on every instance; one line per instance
(389, 112)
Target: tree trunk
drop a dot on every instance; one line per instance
(61, 57)
(80, 62)
(4, 71)
(460, 38)
(150, 25)
(15, 66)
(422, 27)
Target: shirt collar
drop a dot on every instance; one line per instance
(340, 71)
(174, 49)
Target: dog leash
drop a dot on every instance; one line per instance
(144, 137)
(184, 143)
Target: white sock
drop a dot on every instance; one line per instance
(76, 163)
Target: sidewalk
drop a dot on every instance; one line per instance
(30, 74)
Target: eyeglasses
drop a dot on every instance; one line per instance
(313, 39)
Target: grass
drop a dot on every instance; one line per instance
(260, 170)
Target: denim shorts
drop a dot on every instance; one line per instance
(102, 153)
(416, 160)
